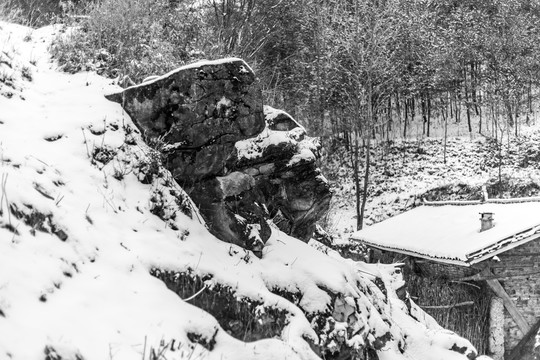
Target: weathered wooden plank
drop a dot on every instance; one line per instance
(508, 254)
(497, 288)
(518, 351)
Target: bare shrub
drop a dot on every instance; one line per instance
(11, 12)
(134, 38)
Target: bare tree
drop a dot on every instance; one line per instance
(363, 33)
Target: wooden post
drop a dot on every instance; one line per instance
(497, 288)
(496, 328)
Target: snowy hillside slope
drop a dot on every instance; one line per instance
(90, 222)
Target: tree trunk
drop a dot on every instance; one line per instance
(389, 118)
(370, 121)
(500, 157)
(355, 163)
(509, 115)
(474, 80)
(424, 114)
(467, 104)
(428, 114)
(516, 114)
(529, 101)
(445, 117)
(398, 109)
(451, 103)
(406, 120)
(366, 183)
(458, 107)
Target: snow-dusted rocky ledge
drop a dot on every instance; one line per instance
(86, 216)
(208, 122)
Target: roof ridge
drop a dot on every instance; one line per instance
(479, 202)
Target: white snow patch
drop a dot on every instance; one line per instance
(254, 147)
(223, 102)
(243, 67)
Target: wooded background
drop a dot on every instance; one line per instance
(341, 66)
(352, 71)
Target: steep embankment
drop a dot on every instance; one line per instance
(95, 233)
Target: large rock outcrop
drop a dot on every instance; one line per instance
(281, 160)
(197, 113)
(241, 163)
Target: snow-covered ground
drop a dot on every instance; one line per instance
(80, 235)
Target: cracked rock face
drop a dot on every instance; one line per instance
(198, 112)
(242, 164)
(282, 162)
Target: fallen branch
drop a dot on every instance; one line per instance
(465, 283)
(465, 303)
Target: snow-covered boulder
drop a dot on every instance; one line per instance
(197, 112)
(282, 161)
(242, 163)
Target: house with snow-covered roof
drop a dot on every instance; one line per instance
(473, 265)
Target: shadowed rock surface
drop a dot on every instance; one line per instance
(197, 112)
(282, 162)
(240, 162)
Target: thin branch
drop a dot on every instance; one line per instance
(465, 303)
(196, 294)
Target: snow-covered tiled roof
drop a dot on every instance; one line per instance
(450, 232)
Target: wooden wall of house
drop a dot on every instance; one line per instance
(518, 271)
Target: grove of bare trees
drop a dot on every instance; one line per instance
(353, 71)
